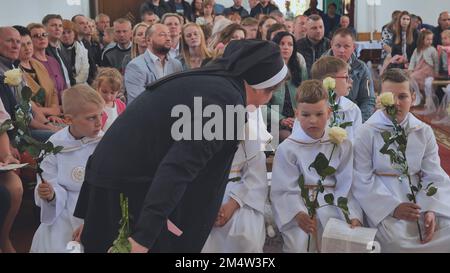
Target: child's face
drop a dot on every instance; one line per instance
(86, 123)
(107, 93)
(313, 117)
(428, 40)
(343, 83)
(402, 95)
(445, 40)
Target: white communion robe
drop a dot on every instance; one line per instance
(379, 191)
(292, 159)
(65, 172)
(348, 112)
(245, 232)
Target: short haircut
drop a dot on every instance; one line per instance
(75, 98)
(327, 66)
(274, 28)
(344, 32)
(311, 91)
(35, 25)
(249, 21)
(110, 31)
(23, 31)
(276, 13)
(100, 16)
(396, 75)
(167, 15)
(110, 75)
(49, 17)
(122, 21)
(75, 17)
(332, 4)
(315, 18)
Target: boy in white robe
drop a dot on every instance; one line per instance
(240, 226)
(381, 193)
(63, 173)
(330, 66)
(293, 159)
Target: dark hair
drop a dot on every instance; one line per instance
(396, 75)
(273, 28)
(227, 33)
(343, 32)
(332, 4)
(293, 63)
(23, 31)
(49, 17)
(75, 17)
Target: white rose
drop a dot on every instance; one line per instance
(329, 83)
(13, 77)
(387, 99)
(337, 135)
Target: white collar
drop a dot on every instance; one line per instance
(67, 140)
(345, 104)
(155, 58)
(380, 121)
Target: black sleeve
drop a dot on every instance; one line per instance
(182, 164)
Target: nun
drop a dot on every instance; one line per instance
(171, 172)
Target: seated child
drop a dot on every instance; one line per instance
(63, 173)
(293, 159)
(381, 191)
(329, 66)
(240, 226)
(444, 54)
(109, 82)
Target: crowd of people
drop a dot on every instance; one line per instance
(84, 73)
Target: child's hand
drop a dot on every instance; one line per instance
(305, 222)
(226, 212)
(76, 236)
(45, 191)
(407, 211)
(355, 223)
(288, 122)
(430, 226)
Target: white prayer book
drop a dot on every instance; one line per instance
(11, 167)
(339, 237)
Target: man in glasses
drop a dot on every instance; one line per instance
(362, 93)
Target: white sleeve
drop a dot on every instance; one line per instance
(51, 210)
(253, 191)
(285, 191)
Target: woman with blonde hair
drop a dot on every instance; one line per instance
(193, 44)
(139, 44)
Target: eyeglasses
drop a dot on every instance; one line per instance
(347, 78)
(39, 36)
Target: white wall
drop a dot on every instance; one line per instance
(427, 9)
(23, 12)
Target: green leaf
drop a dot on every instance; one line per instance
(328, 171)
(6, 126)
(342, 202)
(57, 149)
(410, 197)
(386, 136)
(301, 181)
(329, 198)
(429, 185)
(320, 163)
(26, 93)
(39, 97)
(346, 124)
(432, 191)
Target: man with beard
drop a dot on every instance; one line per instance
(153, 65)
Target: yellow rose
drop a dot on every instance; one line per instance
(329, 83)
(337, 135)
(13, 77)
(387, 99)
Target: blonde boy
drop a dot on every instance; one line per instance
(293, 158)
(63, 173)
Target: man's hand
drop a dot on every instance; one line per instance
(136, 247)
